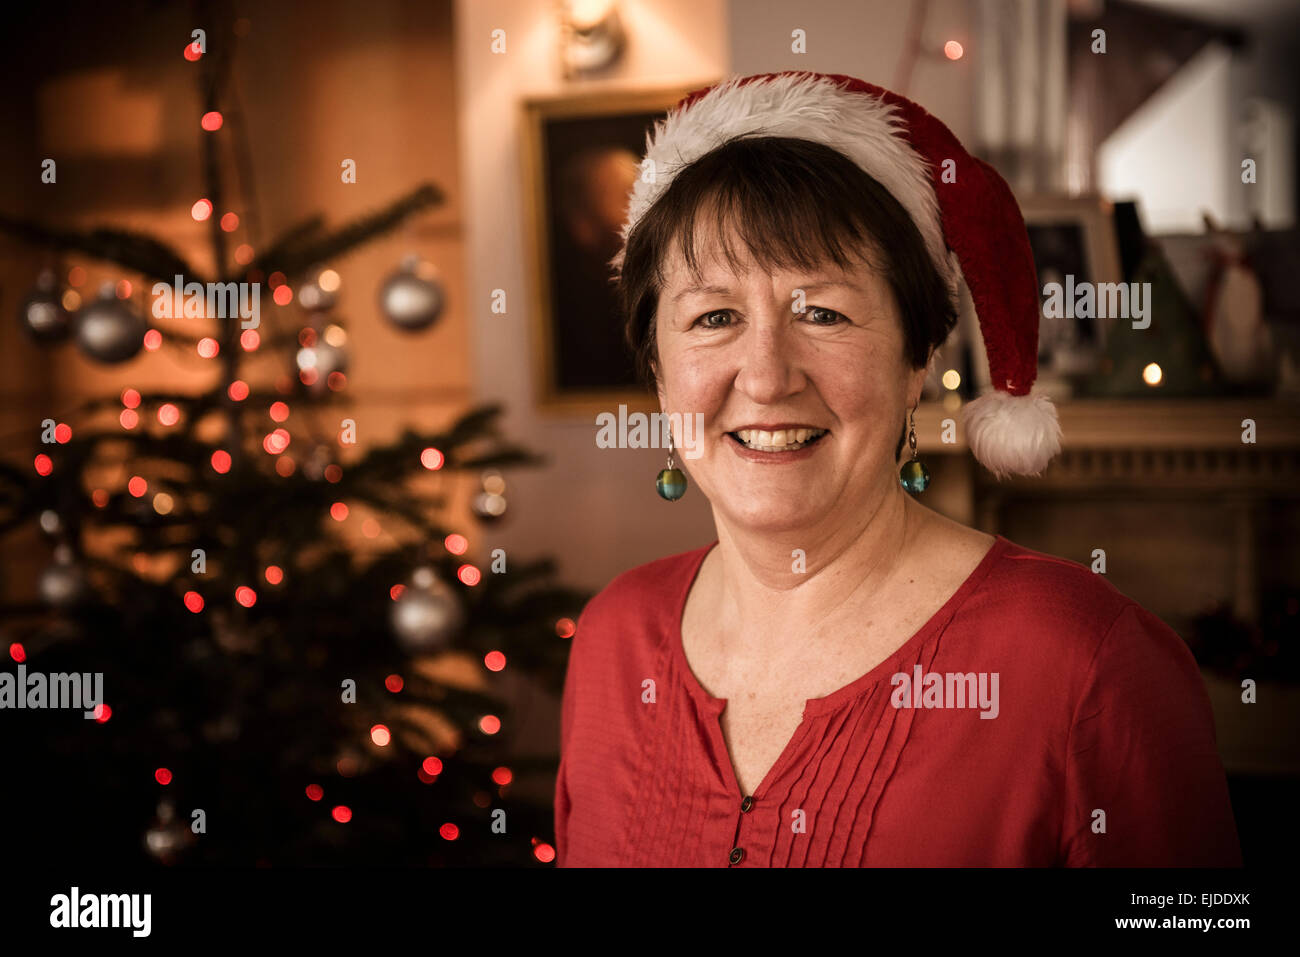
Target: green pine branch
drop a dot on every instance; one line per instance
(136, 252)
(301, 249)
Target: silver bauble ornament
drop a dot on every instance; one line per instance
(322, 357)
(314, 297)
(42, 313)
(108, 329)
(168, 835)
(316, 462)
(63, 583)
(326, 352)
(490, 504)
(412, 298)
(426, 614)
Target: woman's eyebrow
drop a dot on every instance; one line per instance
(710, 289)
(829, 283)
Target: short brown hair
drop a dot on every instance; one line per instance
(793, 203)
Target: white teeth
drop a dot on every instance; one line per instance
(782, 440)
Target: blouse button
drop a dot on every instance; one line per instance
(737, 854)
(746, 804)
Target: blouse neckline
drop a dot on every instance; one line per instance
(856, 687)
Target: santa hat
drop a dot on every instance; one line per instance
(964, 210)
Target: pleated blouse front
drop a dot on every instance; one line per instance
(871, 777)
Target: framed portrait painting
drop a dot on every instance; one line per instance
(581, 155)
(1074, 243)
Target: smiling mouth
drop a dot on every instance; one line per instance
(782, 440)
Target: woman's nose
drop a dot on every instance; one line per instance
(769, 367)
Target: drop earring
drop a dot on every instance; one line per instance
(671, 482)
(913, 476)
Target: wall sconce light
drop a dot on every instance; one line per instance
(592, 35)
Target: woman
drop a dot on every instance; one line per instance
(846, 677)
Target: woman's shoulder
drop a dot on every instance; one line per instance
(1036, 582)
(1063, 611)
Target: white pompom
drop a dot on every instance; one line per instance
(1012, 434)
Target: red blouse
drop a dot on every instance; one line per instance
(1101, 752)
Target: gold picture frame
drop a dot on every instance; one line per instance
(576, 151)
(1074, 235)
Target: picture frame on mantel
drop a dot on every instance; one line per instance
(581, 155)
(1073, 241)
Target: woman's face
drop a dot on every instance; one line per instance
(733, 348)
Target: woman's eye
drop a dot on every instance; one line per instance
(707, 322)
(823, 317)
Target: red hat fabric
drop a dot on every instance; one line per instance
(965, 212)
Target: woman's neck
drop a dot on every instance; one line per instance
(764, 587)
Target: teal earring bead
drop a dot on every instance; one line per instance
(671, 484)
(913, 476)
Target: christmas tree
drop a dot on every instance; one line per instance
(272, 693)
